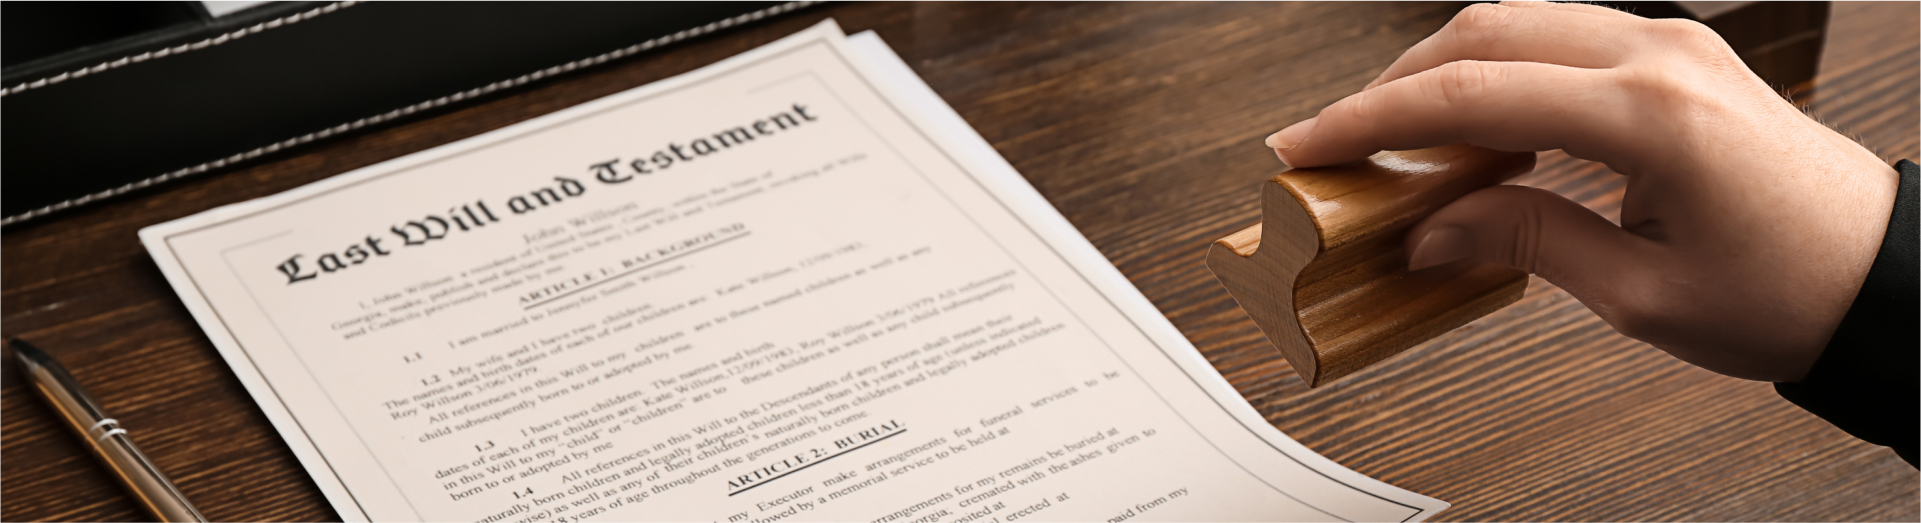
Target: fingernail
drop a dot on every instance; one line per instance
(1441, 245)
(1292, 135)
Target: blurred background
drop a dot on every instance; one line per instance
(177, 89)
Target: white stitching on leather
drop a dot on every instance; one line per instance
(411, 109)
(203, 44)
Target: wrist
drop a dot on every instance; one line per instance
(1861, 228)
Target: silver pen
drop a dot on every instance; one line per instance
(103, 435)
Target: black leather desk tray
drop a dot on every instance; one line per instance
(111, 118)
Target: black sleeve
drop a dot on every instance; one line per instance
(1868, 380)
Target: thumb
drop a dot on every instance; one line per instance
(1539, 232)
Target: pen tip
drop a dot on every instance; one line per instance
(26, 351)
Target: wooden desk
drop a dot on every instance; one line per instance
(1143, 123)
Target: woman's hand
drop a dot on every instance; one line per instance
(1747, 227)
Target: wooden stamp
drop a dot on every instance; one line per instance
(1325, 272)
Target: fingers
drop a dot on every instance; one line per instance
(1544, 234)
(1509, 106)
(1574, 7)
(1541, 32)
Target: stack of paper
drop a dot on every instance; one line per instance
(793, 285)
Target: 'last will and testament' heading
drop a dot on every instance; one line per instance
(476, 214)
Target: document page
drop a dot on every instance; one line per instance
(792, 285)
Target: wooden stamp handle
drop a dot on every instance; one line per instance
(1325, 276)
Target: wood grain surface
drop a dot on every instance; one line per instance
(1142, 123)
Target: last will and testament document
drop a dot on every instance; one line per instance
(793, 285)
